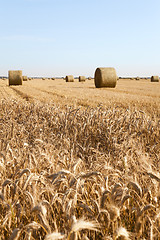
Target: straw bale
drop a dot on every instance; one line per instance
(25, 78)
(155, 79)
(15, 77)
(69, 78)
(105, 77)
(82, 78)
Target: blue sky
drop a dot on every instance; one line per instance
(61, 37)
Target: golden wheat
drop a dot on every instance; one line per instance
(78, 173)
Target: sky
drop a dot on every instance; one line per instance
(64, 37)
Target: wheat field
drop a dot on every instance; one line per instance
(78, 162)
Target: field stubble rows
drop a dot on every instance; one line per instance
(127, 93)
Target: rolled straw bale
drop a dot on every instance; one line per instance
(69, 78)
(15, 77)
(155, 79)
(82, 78)
(137, 78)
(25, 78)
(89, 78)
(53, 78)
(105, 77)
(43, 79)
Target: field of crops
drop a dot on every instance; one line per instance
(77, 162)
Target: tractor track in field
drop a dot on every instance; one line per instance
(63, 98)
(33, 97)
(2, 93)
(23, 95)
(50, 93)
(5, 95)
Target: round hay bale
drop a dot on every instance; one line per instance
(15, 77)
(69, 78)
(25, 78)
(105, 77)
(89, 78)
(82, 78)
(29, 78)
(155, 79)
(53, 78)
(43, 79)
(137, 78)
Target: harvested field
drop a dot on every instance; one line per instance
(132, 94)
(78, 162)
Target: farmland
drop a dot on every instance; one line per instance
(128, 93)
(78, 162)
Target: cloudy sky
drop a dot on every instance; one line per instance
(60, 37)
